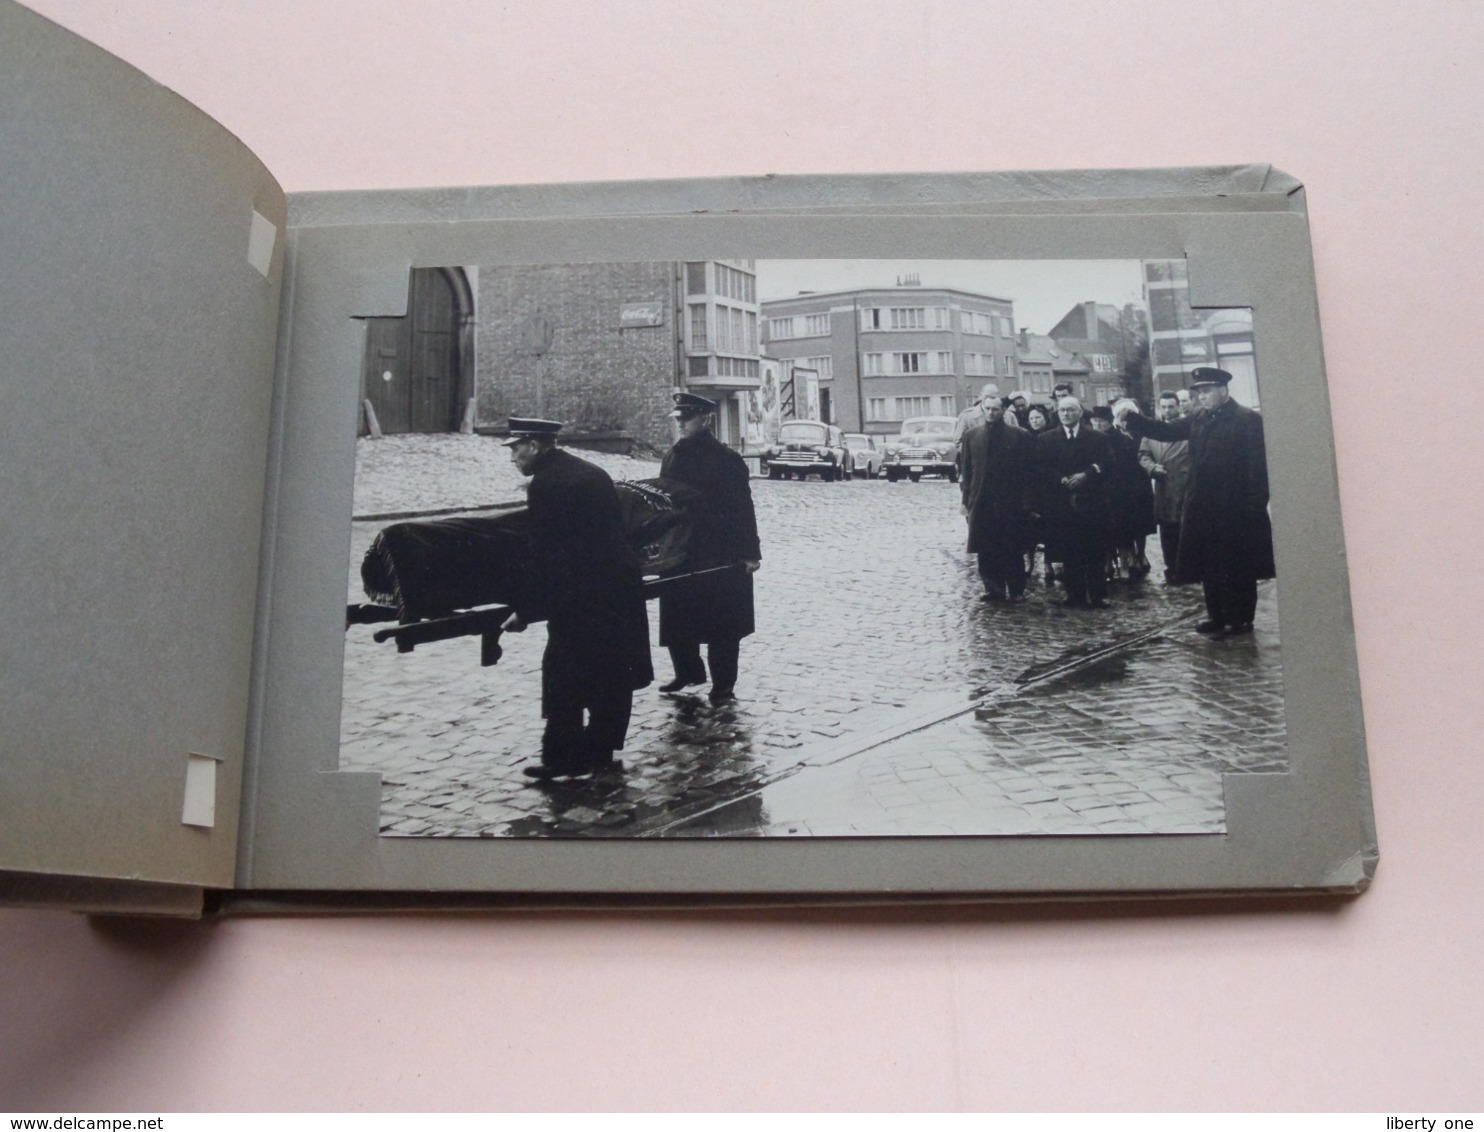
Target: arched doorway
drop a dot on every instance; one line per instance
(418, 368)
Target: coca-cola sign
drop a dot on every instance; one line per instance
(641, 314)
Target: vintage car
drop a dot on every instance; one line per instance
(806, 448)
(924, 447)
(865, 456)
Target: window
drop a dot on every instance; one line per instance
(779, 328)
(1007, 328)
(737, 367)
(976, 322)
(695, 279)
(739, 331)
(698, 326)
(723, 327)
(946, 407)
(824, 366)
(699, 366)
(938, 317)
(943, 361)
(874, 363)
(908, 318)
(751, 332)
(914, 407)
(906, 363)
(816, 325)
(870, 318)
(734, 284)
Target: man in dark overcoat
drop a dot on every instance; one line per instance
(717, 609)
(1073, 461)
(586, 583)
(995, 463)
(1226, 538)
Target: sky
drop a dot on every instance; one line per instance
(1042, 290)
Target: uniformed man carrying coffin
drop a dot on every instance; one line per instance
(587, 584)
(1226, 537)
(715, 609)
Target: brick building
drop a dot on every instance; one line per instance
(1114, 341)
(1044, 365)
(888, 353)
(602, 346)
(1182, 337)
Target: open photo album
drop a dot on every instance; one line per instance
(937, 537)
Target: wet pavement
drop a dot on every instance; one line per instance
(879, 696)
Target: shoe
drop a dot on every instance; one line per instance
(1210, 628)
(544, 772)
(1015, 599)
(991, 597)
(1238, 630)
(680, 682)
(721, 695)
(599, 764)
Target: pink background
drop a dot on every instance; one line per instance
(1373, 1005)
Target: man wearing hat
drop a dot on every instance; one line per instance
(1226, 538)
(717, 609)
(586, 582)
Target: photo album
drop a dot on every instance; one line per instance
(810, 539)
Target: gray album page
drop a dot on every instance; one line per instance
(900, 727)
(142, 258)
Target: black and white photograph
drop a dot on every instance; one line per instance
(811, 548)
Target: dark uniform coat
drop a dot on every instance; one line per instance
(585, 582)
(1073, 519)
(1226, 525)
(720, 607)
(996, 465)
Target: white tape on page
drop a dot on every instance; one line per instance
(200, 792)
(260, 242)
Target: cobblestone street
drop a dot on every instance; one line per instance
(879, 696)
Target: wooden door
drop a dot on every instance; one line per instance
(412, 365)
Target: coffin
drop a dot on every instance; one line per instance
(431, 568)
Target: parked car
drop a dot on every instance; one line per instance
(806, 448)
(924, 447)
(865, 457)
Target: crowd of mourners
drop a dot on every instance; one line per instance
(1085, 489)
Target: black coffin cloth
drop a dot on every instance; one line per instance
(431, 568)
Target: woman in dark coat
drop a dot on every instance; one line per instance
(716, 610)
(1037, 421)
(1133, 503)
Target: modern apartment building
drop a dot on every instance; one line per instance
(889, 353)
